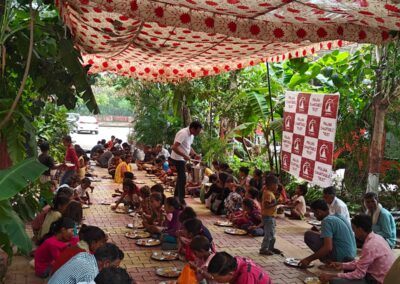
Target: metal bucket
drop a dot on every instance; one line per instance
(197, 174)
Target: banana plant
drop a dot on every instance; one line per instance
(12, 182)
(258, 114)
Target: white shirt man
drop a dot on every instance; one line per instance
(185, 140)
(181, 151)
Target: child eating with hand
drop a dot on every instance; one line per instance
(190, 229)
(250, 219)
(169, 235)
(153, 221)
(129, 194)
(145, 203)
(81, 194)
(201, 248)
(225, 268)
(297, 204)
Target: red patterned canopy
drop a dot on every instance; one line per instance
(169, 40)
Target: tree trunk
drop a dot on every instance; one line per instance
(267, 146)
(186, 117)
(376, 149)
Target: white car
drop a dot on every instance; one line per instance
(72, 119)
(88, 124)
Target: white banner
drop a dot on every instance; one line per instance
(309, 128)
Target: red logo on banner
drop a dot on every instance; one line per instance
(312, 128)
(324, 152)
(303, 101)
(288, 119)
(297, 144)
(330, 106)
(286, 161)
(307, 169)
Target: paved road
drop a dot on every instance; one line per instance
(87, 141)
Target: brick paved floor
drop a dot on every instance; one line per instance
(137, 259)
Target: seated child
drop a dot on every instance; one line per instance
(201, 249)
(60, 203)
(153, 222)
(124, 166)
(169, 176)
(160, 189)
(212, 191)
(257, 180)
(169, 235)
(187, 214)
(298, 204)
(281, 194)
(156, 169)
(233, 203)
(73, 209)
(129, 196)
(60, 236)
(114, 162)
(244, 178)
(190, 229)
(253, 194)
(81, 194)
(145, 206)
(88, 168)
(90, 239)
(225, 268)
(251, 217)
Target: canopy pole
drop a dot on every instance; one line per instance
(272, 117)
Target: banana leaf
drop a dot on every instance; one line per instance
(12, 230)
(242, 130)
(16, 178)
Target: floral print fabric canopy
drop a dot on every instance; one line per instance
(170, 40)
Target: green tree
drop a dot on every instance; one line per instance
(38, 65)
(356, 77)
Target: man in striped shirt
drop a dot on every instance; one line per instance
(84, 266)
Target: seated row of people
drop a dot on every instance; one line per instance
(336, 246)
(70, 258)
(64, 205)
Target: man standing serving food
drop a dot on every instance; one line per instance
(181, 152)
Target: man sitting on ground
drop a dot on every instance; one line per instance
(335, 242)
(336, 205)
(84, 266)
(375, 260)
(382, 221)
(103, 157)
(161, 151)
(95, 150)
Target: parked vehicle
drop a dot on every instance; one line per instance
(72, 119)
(88, 124)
